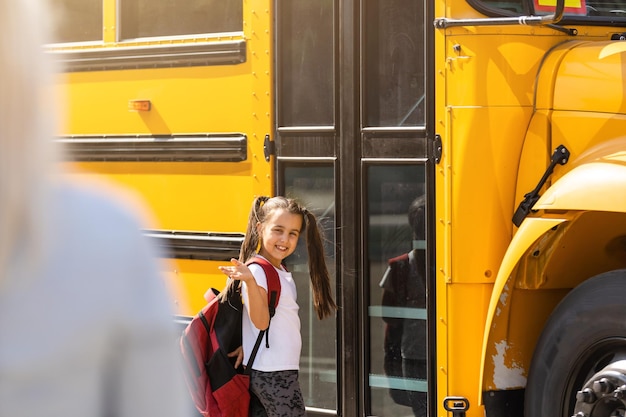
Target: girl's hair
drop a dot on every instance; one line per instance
(27, 117)
(262, 208)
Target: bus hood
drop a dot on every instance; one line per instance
(574, 73)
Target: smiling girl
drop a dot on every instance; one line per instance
(274, 226)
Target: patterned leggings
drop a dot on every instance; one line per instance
(275, 394)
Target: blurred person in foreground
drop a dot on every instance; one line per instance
(85, 321)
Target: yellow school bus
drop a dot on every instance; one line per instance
(500, 123)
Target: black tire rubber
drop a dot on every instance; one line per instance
(586, 331)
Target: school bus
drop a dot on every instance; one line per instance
(507, 118)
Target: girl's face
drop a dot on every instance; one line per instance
(279, 235)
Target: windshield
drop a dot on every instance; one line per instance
(588, 10)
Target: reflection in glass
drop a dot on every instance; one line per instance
(612, 8)
(77, 20)
(151, 18)
(313, 186)
(397, 265)
(394, 63)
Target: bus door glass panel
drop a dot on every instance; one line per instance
(396, 255)
(313, 186)
(156, 18)
(305, 101)
(394, 63)
(77, 20)
(305, 63)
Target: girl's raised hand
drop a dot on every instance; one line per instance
(238, 271)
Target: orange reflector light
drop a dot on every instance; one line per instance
(139, 105)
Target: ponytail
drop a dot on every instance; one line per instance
(320, 278)
(251, 241)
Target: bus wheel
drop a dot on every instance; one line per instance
(579, 365)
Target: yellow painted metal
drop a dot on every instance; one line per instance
(592, 186)
(599, 66)
(500, 109)
(484, 104)
(529, 232)
(200, 196)
(535, 155)
(185, 196)
(549, 255)
(585, 132)
(483, 157)
(466, 304)
(109, 17)
(543, 262)
(546, 79)
(593, 242)
(503, 63)
(184, 100)
(190, 279)
(442, 214)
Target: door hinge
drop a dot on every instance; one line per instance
(269, 148)
(437, 148)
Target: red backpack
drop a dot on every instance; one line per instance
(217, 388)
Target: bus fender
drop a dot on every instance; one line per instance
(507, 374)
(595, 183)
(594, 186)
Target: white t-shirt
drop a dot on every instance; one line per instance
(284, 332)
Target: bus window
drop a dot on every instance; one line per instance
(313, 185)
(158, 18)
(394, 63)
(80, 21)
(615, 8)
(518, 7)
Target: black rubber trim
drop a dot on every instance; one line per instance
(151, 56)
(207, 147)
(199, 246)
(508, 403)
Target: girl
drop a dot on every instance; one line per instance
(274, 227)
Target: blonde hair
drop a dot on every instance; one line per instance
(27, 152)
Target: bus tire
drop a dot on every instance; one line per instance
(583, 341)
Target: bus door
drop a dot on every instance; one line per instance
(353, 126)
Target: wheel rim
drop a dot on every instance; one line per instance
(597, 383)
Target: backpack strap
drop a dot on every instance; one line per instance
(273, 295)
(273, 283)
